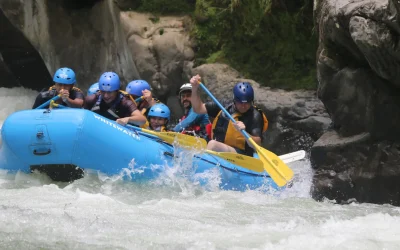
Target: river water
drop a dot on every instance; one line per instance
(102, 212)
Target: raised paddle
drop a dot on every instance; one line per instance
(48, 102)
(272, 164)
(187, 141)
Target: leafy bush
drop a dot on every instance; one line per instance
(165, 6)
(267, 40)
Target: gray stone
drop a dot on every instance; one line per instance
(358, 71)
(88, 40)
(160, 48)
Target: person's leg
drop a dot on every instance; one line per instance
(219, 147)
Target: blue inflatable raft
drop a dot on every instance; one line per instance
(81, 138)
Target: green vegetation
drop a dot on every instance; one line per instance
(270, 41)
(164, 7)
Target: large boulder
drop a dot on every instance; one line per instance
(355, 168)
(84, 35)
(160, 47)
(358, 70)
(20, 62)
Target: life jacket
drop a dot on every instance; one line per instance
(193, 128)
(224, 131)
(112, 111)
(54, 88)
(52, 92)
(203, 130)
(209, 130)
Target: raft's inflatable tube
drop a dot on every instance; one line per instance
(90, 141)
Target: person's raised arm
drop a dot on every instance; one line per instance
(198, 106)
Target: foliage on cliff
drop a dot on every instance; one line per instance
(270, 41)
(159, 7)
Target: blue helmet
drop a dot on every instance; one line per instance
(136, 87)
(160, 110)
(93, 89)
(64, 76)
(109, 81)
(243, 92)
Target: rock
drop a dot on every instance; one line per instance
(358, 62)
(20, 63)
(160, 47)
(87, 38)
(356, 168)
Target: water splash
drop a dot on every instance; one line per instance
(15, 99)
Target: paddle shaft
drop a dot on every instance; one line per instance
(48, 102)
(171, 137)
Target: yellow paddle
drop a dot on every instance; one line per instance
(197, 143)
(274, 166)
(187, 141)
(244, 161)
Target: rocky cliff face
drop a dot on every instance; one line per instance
(86, 36)
(20, 62)
(358, 70)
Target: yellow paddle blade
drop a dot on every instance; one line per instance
(183, 140)
(243, 161)
(274, 166)
(187, 141)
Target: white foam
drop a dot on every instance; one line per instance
(14, 99)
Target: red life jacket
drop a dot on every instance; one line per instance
(192, 128)
(197, 129)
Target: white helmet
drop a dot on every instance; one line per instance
(185, 87)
